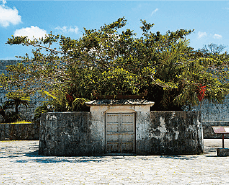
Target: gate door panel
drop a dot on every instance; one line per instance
(120, 133)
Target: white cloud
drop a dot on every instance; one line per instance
(217, 36)
(8, 15)
(66, 29)
(202, 34)
(3, 2)
(75, 30)
(31, 32)
(63, 29)
(153, 12)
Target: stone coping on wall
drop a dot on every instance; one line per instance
(105, 102)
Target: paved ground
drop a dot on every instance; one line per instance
(21, 164)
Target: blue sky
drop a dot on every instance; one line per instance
(209, 19)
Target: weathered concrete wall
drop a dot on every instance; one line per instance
(98, 125)
(213, 115)
(172, 133)
(214, 112)
(98, 110)
(98, 120)
(67, 134)
(78, 133)
(19, 131)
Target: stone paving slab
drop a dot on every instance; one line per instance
(21, 164)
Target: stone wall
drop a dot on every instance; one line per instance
(214, 112)
(75, 134)
(67, 134)
(173, 132)
(19, 131)
(27, 113)
(214, 115)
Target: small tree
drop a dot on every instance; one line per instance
(15, 100)
(212, 49)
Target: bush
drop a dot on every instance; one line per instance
(12, 117)
(41, 109)
(70, 104)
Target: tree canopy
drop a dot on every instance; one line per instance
(109, 62)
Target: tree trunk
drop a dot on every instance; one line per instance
(16, 108)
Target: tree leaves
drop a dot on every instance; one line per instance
(110, 62)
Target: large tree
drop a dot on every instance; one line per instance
(108, 62)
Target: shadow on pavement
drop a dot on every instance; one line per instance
(180, 157)
(211, 156)
(27, 153)
(33, 156)
(60, 160)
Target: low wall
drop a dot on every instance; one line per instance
(19, 131)
(67, 134)
(173, 133)
(208, 131)
(169, 133)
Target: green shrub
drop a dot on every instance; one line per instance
(12, 117)
(41, 109)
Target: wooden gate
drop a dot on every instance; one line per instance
(120, 133)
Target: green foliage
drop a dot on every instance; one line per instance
(107, 62)
(117, 81)
(78, 104)
(60, 102)
(56, 101)
(41, 109)
(12, 117)
(15, 99)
